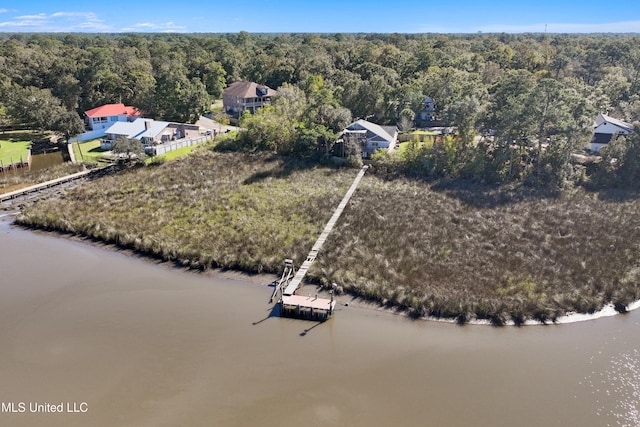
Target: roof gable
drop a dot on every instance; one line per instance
(603, 119)
(374, 129)
(138, 128)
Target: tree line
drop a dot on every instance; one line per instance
(521, 103)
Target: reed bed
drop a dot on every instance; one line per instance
(462, 252)
(486, 254)
(236, 211)
(13, 180)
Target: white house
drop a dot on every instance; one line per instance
(427, 111)
(149, 132)
(99, 119)
(106, 115)
(604, 129)
(371, 136)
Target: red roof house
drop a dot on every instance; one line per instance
(104, 116)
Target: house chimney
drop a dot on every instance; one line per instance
(147, 124)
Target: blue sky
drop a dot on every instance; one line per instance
(328, 16)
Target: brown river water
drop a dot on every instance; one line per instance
(114, 340)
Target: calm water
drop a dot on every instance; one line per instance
(40, 162)
(43, 161)
(143, 345)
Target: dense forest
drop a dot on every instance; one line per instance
(536, 95)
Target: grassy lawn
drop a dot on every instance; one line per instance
(464, 251)
(171, 155)
(14, 145)
(423, 132)
(88, 151)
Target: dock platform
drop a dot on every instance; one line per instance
(312, 308)
(307, 307)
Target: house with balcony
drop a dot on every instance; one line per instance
(245, 96)
(426, 116)
(104, 116)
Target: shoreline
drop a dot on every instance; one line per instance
(265, 280)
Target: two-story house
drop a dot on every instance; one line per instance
(370, 136)
(245, 96)
(106, 115)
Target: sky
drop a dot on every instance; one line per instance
(327, 16)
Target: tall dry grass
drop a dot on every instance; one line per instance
(12, 180)
(457, 251)
(475, 253)
(245, 212)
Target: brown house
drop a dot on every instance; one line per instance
(243, 96)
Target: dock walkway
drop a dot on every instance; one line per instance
(37, 187)
(308, 307)
(297, 279)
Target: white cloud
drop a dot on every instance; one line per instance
(154, 27)
(57, 22)
(4, 10)
(28, 17)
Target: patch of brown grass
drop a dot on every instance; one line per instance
(520, 257)
(456, 251)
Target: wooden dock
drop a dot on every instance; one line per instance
(297, 280)
(48, 184)
(312, 307)
(307, 307)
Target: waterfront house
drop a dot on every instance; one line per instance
(106, 115)
(370, 136)
(246, 96)
(149, 132)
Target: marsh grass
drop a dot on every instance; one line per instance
(10, 181)
(454, 251)
(244, 212)
(477, 252)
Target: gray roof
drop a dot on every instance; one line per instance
(390, 134)
(137, 129)
(603, 118)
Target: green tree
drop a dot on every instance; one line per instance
(68, 124)
(37, 108)
(405, 119)
(214, 79)
(177, 98)
(128, 149)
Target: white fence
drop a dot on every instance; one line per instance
(157, 150)
(89, 135)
